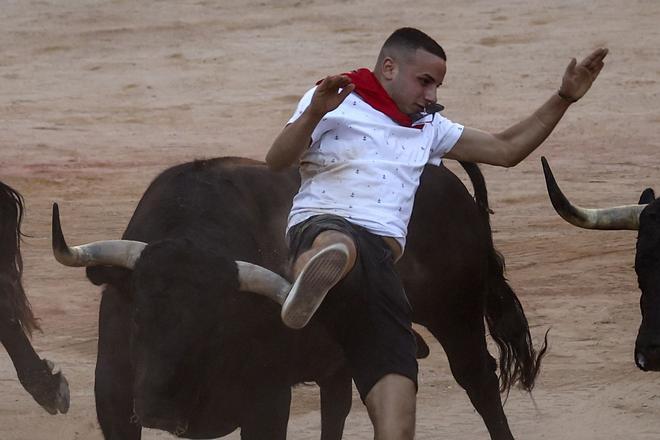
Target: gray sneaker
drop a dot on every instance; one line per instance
(319, 275)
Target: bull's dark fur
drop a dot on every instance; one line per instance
(13, 302)
(647, 267)
(206, 359)
(16, 318)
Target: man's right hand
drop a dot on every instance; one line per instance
(327, 96)
(296, 137)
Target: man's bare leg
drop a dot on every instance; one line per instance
(331, 256)
(391, 405)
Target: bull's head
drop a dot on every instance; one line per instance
(644, 217)
(124, 253)
(175, 310)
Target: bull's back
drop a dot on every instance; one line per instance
(233, 203)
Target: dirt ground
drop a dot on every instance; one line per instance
(98, 96)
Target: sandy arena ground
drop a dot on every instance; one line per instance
(98, 96)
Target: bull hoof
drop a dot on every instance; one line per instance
(319, 275)
(63, 397)
(49, 389)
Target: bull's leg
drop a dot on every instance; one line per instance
(266, 414)
(114, 377)
(463, 338)
(336, 399)
(51, 391)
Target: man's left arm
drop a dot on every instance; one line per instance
(515, 143)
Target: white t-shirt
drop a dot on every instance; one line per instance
(364, 167)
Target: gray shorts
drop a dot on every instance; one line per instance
(367, 312)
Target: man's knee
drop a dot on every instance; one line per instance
(391, 405)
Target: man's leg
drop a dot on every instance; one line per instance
(391, 407)
(318, 269)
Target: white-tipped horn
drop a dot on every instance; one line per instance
(614, 218)
(253, 278)
(122, 253)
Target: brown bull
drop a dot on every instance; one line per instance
(182, 349)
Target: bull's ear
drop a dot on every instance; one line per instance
(117, 276)
(647, 196)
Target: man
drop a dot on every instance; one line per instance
(362, 140)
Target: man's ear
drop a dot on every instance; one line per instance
(389, 68)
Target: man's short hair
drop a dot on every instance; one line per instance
(411, 39)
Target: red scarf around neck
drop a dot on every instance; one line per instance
(373, 93)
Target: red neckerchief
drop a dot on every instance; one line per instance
(373, 93)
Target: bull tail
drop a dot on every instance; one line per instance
(12, 295)
(518, 360)
(479, 185)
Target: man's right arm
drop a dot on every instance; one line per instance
(296, 137)
(292, 142)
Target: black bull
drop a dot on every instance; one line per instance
(645, 218)
(205, 359)
(17, 321)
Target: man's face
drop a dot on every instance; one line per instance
(413, 79)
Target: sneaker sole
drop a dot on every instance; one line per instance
(319, 275)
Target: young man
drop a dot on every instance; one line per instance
(361, 141)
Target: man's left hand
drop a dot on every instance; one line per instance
(579, 77)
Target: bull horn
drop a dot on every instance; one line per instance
(122, 253)
(253, 278)
(614, 218)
